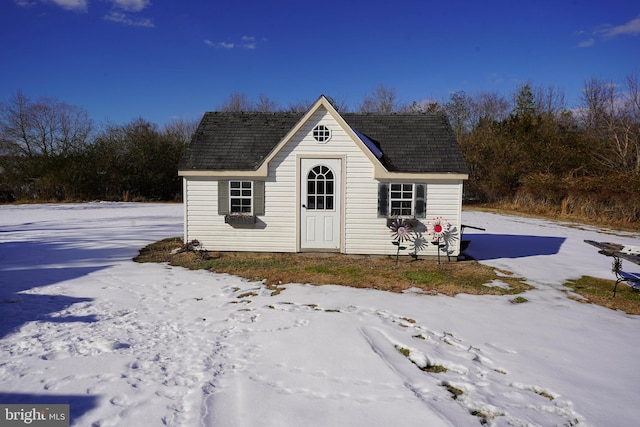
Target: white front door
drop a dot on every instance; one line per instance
(320, 195)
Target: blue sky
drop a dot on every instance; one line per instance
(160, 60)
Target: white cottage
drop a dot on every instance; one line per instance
(319, 181)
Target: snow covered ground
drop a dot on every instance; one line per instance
(131, 344)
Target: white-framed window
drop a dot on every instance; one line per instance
(240, 197)
(402, 199)
(321, 133)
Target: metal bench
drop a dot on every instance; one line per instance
(631, 279)
(619, 252)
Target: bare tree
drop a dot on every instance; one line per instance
(380, 100)
(459, 110)
(74, 128)
(299, 106)
(593, 105)
(265, 104)
(181, 130)
(550, 100)
(237, 102)
(489, 107)
(47, 126)
(424, 106)
(612, 117)
(339, 103)
(15, 124)
(633, 108)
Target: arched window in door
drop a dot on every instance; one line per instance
(320, 188)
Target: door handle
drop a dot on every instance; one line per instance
(304, 206)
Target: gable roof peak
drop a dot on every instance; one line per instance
(331, 101)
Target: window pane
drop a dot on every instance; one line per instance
(311, 202)
(320, 187)
(329, 202)
(329, 189)
(234, 184)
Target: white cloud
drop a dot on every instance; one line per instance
(246, 42)
(25, 3)
(223, 45)
(587, 43)
(607, 31)
(249, 42)
(125, 19)
(631, 28)
(122, 10)
(75, 5)
(131, 5)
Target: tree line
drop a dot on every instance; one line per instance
(527, 148)
(533, 152)
(50, 150)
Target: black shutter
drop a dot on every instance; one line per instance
(421, 192)
(223, 197)
(258, 197)
(383, 200)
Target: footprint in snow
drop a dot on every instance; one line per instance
(471, 386)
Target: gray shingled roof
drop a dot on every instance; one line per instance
(412, 142)
(241, 141)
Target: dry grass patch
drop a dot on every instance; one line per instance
(600, 291)
(374, 272)
(554, 213)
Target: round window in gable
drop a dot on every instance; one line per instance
(321, 133)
